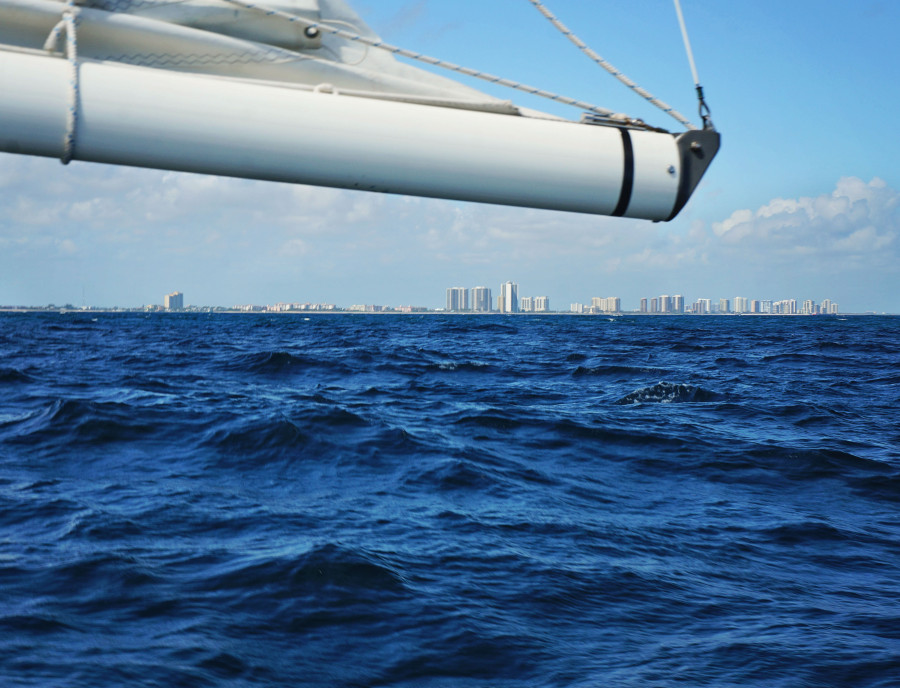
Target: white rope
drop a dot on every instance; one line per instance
(668, 109)
(687, 43)
(425, 58)
(52, 42)
(70, 19)
(703, 107)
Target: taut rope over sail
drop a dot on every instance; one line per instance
(583, 47)
(435, 62)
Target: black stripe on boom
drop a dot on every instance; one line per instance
(627, 175)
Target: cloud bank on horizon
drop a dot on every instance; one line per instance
(131, 234)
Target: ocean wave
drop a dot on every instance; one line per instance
(454, 474)
(688, 347)
(328, 567)
(805, 359)
(787, 467)
(615, 438)
(460, 367)
(84, 422)
(280, 362)
(476, 325)
(669, 393)
(467, 657)
(887, 379)
(878, 487)
(258, 436)
(491, 419)
(14, 375)
(825, 463)
(615, 370)
(731, 362)
(805, 532)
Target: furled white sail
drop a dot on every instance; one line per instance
(218, 87)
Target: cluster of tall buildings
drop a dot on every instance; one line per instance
(599, 304)
(479, 300)
(458, 300)
(283, 307)
(740, 304)
(663, 304)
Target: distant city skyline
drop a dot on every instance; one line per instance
(510, 302)
(479, 300)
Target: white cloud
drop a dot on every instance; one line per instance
(42, 193)
(855, 222)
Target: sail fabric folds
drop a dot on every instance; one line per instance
(219, 38)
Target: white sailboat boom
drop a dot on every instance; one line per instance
(216, 102)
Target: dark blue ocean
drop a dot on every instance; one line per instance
(439, 501)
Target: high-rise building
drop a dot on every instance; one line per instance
(174, 301)
(643, 305)
(654, 305)
(576, 308)
(457, 299)
(526, 304)
(509, 298)
(702, 307)
(785, 307)
(481, 299)
(741, 304)
(609, 304)
(542, 304)
(724, 306)
(665, 305)
(678, 304)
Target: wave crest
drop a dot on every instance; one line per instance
(669, 393)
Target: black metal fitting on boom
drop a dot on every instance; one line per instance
(705, 113)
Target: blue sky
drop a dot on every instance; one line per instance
(802, 202)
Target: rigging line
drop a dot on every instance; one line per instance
(377, 43)
(687, 43)
(665, 107)
(71, 19)
(68, 23)
(703, 107)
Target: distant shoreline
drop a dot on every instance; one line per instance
(212, 310)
